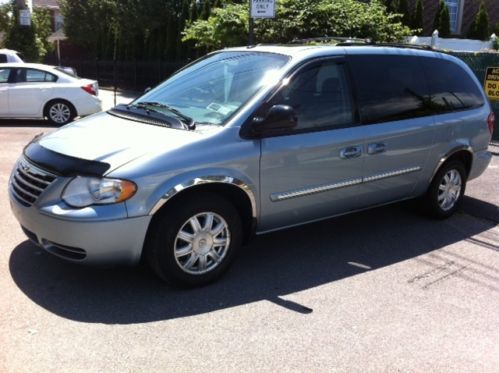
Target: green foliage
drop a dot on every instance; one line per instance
(298, 19)
(444, 20)
(417, 20)
(480, 26)
(31, 41)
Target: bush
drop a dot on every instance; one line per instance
(228, 26)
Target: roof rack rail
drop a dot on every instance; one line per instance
(386, 44)
(324, 39)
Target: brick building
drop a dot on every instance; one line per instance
(462, 13)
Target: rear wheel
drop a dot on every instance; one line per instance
(446, 191)
(60, 112)
(194, 241)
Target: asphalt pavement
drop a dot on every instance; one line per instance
(378, 291)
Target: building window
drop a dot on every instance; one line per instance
(453, 6)
(58, 22)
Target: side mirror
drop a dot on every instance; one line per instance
(278, 119)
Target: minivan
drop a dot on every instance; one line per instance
(251, 140)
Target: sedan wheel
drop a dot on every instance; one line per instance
(60, 113)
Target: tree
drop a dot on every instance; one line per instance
(206, 10)
(436, 21)
(417, 20)
(194, 11)
(403, 9)
(228, 26)
(444, 21)
(480, 26)
(31, 41)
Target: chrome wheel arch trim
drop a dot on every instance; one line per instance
(449, 154)
(203, 180)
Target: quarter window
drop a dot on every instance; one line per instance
(389, 88)
(320, 96)
(451, 86)
(4, 75)
(3, 58)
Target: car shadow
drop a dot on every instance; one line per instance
(270, 267)
(25, 123)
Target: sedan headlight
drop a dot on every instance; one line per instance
(85, 191)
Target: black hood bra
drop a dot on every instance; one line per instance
(60, 164)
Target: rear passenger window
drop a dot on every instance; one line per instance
(389, 88)
(451, 86)
(34, 76)
(320, 96)
(3, 58)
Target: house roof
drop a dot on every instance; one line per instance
(52, 4)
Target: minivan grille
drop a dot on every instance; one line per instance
(28, 182)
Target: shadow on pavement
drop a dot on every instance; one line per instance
(271, 266)
(25, 123)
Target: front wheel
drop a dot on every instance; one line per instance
(194, 241)
(446, 191)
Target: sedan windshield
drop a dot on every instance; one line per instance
(211, 90)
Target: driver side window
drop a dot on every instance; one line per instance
(320, 96)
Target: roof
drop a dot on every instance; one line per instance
(308, 51)
(52, 4)
(38, 66)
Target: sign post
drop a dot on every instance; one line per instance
(259, 9)
(24, 17)
(492, 83)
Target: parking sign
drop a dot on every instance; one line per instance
(262, 8)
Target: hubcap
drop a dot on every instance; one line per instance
(449, 190)
(202, 243)
(59, 113)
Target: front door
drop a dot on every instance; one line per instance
(315, 170)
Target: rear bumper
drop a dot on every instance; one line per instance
(480, 163)
(107, 242)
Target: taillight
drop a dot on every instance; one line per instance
(89, 88)
(491, 122)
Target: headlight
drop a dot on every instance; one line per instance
(85, 191)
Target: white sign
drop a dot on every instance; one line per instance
(24, 17)
(263, 8)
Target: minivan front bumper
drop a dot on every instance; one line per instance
(97, 242)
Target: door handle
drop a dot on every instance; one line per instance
(351, 152)
(376, 148)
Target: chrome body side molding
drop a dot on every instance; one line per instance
(207, 180)
(276, 197)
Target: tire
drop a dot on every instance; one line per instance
(60, 112)
(445, 194)
(187, 254)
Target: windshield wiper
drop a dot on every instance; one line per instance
(147, 104)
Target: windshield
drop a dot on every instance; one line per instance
(211, 90)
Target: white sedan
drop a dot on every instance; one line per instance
(39, 91)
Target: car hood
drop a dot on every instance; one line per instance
(116, 141)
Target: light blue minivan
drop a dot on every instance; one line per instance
(252, 140)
